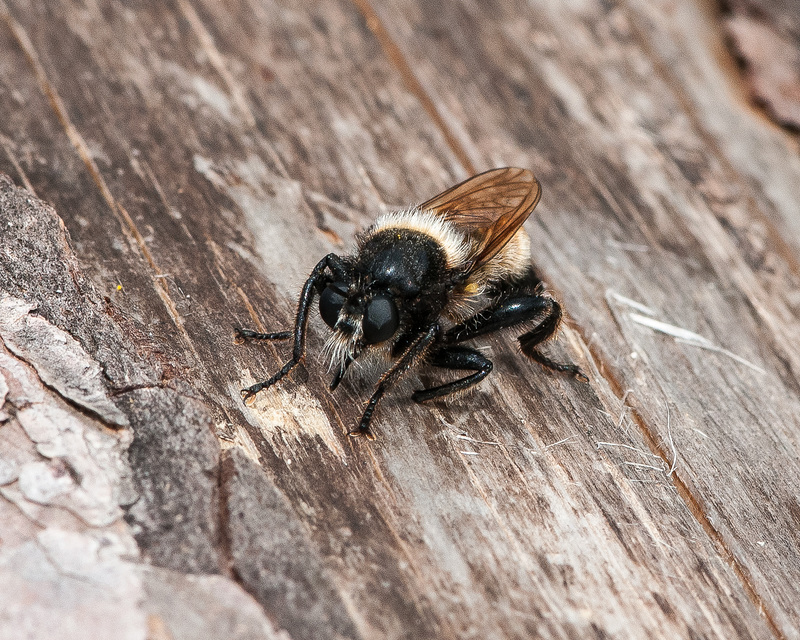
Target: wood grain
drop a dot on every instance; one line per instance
(203, 157)
(705, 254)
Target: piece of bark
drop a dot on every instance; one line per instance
(274, 559)
(39, 266)
(69, 566)
(175, 460)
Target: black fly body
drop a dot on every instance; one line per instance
(426, 280)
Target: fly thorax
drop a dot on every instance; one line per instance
(402, 260)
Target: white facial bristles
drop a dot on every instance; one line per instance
(339, 348)
(455, 244)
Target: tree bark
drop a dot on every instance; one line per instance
(200, 158)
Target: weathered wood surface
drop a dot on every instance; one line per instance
(203, 157)
(765, 38)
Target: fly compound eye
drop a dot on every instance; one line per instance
(331, 301)
(380, 320)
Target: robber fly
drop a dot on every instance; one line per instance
(424, 281)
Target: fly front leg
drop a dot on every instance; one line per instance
(313, 284)
(242, 335)
(416, 348)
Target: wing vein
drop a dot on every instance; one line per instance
(490, 207)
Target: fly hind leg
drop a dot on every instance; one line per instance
(542, 332)
(513, 310)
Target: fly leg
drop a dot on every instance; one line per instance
(242, 335)
(542, 332)
(455, 358)
(514, 310)
(415, 349)
(315, 280)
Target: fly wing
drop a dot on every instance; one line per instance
(489, 207)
